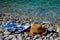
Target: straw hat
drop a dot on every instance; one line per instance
(37, 29)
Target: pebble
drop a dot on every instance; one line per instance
(19, 37)
(0, 36)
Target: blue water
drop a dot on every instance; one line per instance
(40, 8)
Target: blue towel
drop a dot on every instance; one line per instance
(13, 27)
(23, 28)
(9, 26)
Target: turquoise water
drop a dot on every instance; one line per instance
(40, 8)
(33, 2)
(30, 3)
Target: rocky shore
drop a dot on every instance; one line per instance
(8, 18)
